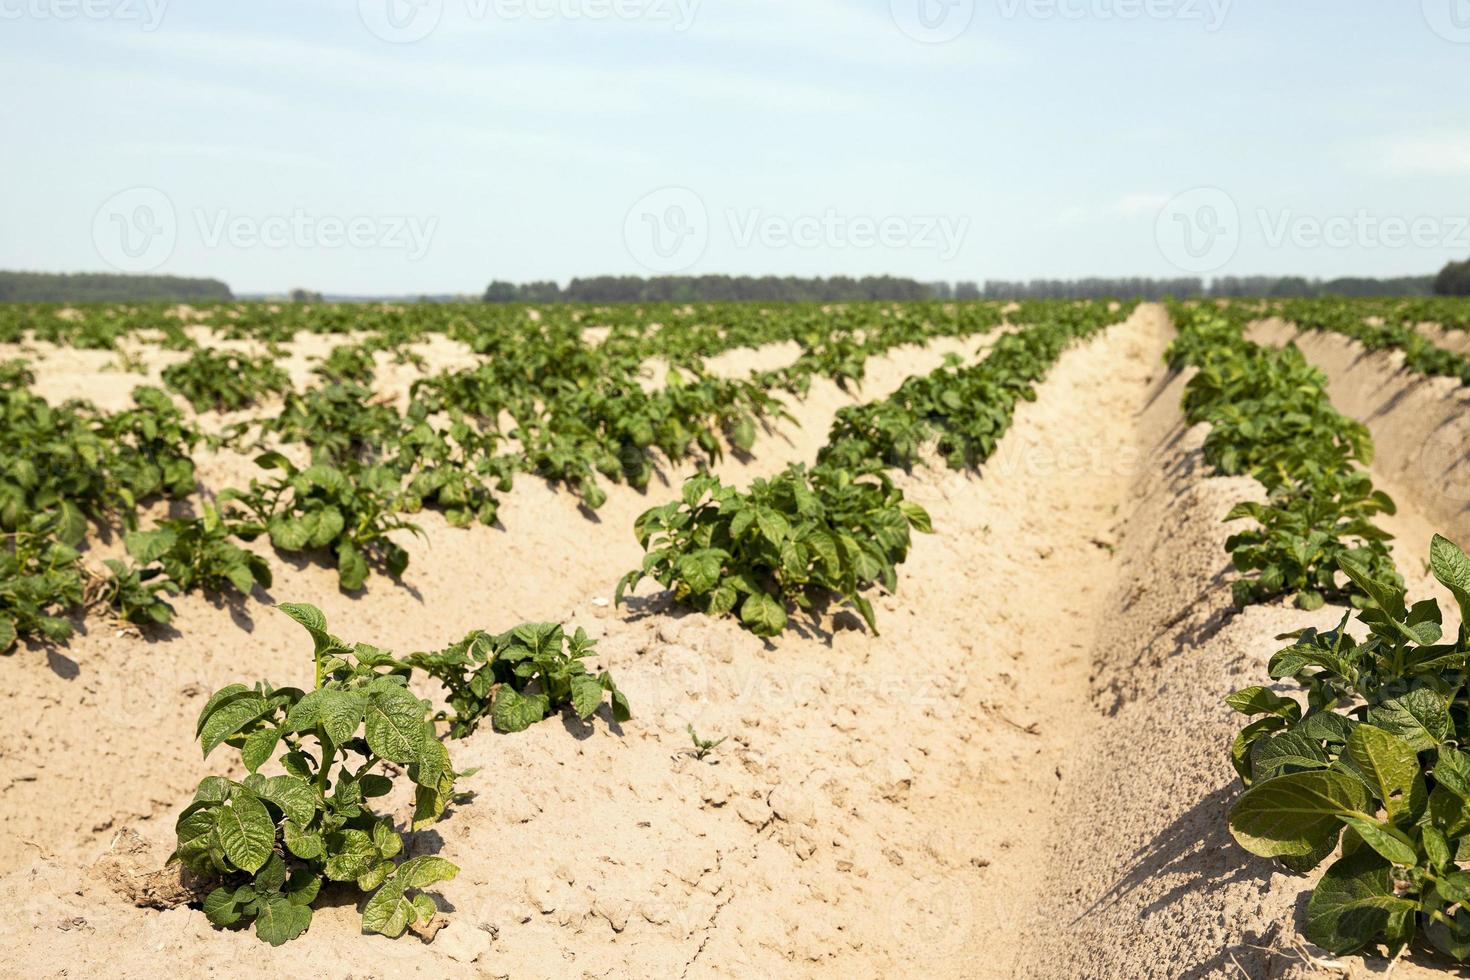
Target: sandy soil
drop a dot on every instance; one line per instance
(1024, 775)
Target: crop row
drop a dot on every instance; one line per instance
(811, 536)
(1366, 763)
(544, 401)
(1378, 332)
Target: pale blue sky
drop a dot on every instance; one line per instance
(503, 145)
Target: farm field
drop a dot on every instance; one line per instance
(859, 640)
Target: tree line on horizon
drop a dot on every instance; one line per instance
(94, 287)
(712, 289)
(1453, 280)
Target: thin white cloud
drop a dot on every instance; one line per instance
(1134, 204)
(541, 87)
(1442, 154)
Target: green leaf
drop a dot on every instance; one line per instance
(1264, 701)
(147, 547)
(1390, 842)
(1452, 569)
(586, 695)
(1296, 813)
(295, 797)
(386, 839)
(1437, 847)
(1354, 904)
(515, 712)
(701, 570)
(352, 855)
(917, 516)
(229, 718)
(1391, 768)
(307, 615)
(1420, 718)
(304, 843)
(340, 712)
(258, 747)
(7, 634)
(246, 832)
(772, 525)
(215, 700)
(763, 615)
(281, 920)
(388, 912)
(352, 567)
(221, 908)
(71, 525)
(395, 725)
(426, 870)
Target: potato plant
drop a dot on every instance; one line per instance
(791, 541)
(196, 553)
(272, 841)
(225, 381)
(1270, 418)
(322, 508)
(1368, 762)
(40, 578)
(519, 678)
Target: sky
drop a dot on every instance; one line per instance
(429, 146)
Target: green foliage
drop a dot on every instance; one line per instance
(519, 678)
(198, 554)
(40, 578)
(322, 508)
(1271, 419)
(962, 410)
(225, 381)
(271, 841)
(704, 746)
(73, 462)
(1369, 761)
(1387, 332)
(136, 595)
(348, 363)
(843, 527)
(800, 537)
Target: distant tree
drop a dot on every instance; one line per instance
(47, 287)
(305, 296)
(1453, 280)
(500, 291)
